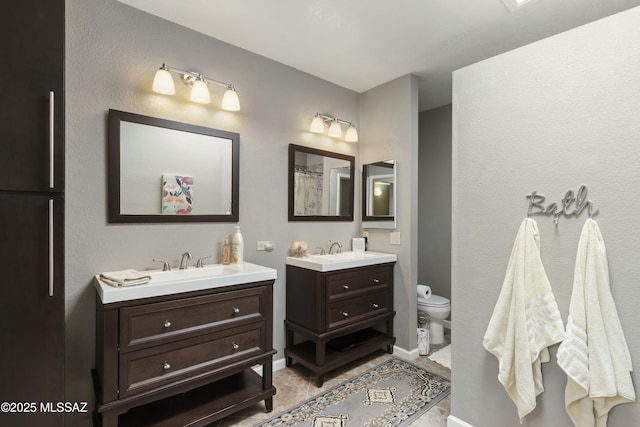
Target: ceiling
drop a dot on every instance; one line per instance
(360, 44)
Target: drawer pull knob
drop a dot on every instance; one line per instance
(375, 305)
(166, 366)
(236, 310)
(346, 287)
(167, 324)
(376, 281)
(344, 313)
(235, 346)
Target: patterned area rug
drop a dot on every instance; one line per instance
(393, 393)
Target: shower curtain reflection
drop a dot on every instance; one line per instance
(308, 191)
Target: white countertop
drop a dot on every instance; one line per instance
(341, 261)
(192, 279)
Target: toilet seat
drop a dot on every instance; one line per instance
(434, 301)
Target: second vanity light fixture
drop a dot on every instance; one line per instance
(163, 83)
(320, 121)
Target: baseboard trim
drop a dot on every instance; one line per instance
(405, 354)
(277, 365)
(456, 422)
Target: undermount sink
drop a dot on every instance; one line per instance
(188, 280)
(341, 261)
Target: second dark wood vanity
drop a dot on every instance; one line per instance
(335, 317)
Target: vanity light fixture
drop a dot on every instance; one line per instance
(163, 84)
(321, 121)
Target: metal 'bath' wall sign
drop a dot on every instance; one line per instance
(572, 204)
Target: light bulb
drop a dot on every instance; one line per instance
(230, 101)
(335, 131)
(351, 135)
(163, 82)
(317, 125)
(200, 92)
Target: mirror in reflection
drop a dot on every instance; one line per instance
(164, 171)
(379, 194)
(320, 185)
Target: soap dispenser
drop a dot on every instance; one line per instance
(237, 246)
(226, 251)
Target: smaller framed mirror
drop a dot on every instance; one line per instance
(320, 185)
(379, 194)
(166, 171)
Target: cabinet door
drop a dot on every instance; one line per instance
(31, 319)
(32, 45)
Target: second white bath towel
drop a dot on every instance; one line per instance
(594, 353)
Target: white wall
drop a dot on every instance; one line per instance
(389, 131)
(112, 53)
(547, 117)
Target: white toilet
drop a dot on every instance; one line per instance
(436, 309)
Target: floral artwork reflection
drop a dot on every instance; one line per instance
(177, 194)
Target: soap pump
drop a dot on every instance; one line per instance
(237, 246)
(226, 251)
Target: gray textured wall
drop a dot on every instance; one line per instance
(389, 119)
(434, 201)
(547, 117)
(113, 52)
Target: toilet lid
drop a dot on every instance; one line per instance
(434, 300)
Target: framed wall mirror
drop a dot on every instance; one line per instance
(320, 185)
(379, 194)
(165, 171)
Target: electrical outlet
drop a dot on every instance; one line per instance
(262, 245)
(394, 238)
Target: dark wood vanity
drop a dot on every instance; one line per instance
(336, 317)
(184, 359)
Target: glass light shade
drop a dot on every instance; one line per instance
(163, 83)
(230, 100)
(317, 125)
(200, 92)
(351, 135)
(335, 131)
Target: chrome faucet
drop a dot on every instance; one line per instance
(339, 251)
(165, 264)
(184, 261)
(200, 264)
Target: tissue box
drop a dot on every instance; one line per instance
(357, 244)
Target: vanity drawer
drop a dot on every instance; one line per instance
(158, 323)
(343, 313)
(351, 283)
(150, 368)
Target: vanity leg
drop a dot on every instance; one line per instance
(319, 380)
(268, 404)
(267, 375)
(321, 350)
(288, 361)
(390, 334)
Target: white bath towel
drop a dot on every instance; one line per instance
(125, 278)
(525, 321)
(594, 353)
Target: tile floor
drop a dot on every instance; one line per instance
(297, 384)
